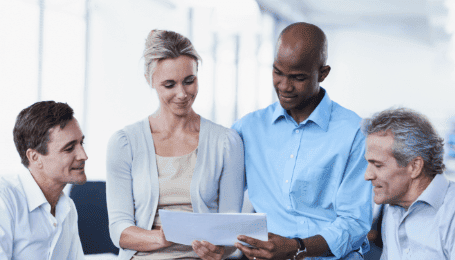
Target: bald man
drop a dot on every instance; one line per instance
(304, 160)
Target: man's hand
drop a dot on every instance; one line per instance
(277, 247)
(208, 251)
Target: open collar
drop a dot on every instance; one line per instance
(320, 115)
(435, 192)
(33, 193)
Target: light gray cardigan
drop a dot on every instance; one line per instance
(132, 186)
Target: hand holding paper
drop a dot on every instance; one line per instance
(216, 228)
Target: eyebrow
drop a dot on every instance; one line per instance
(167, 81)
(374, 161)
(66, 146)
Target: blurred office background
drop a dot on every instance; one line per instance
(88, 53)
(383, 53)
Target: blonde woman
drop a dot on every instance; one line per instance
(174, 159)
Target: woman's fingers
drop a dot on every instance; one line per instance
(208, 251)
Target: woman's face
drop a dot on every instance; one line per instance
(175, 81)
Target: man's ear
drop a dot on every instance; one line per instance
(34, 158)
(416, 167)
(323, 73)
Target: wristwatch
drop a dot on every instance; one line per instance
(302, 247)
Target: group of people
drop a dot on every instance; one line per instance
(307, 162)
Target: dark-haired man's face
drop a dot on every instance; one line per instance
(65, 160)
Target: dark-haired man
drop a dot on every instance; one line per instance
(304, 160)
(405, 165)
(37, 220)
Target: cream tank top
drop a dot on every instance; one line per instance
(174, 175)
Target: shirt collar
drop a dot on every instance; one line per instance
(320, 115)
(33, 193)
(435, 192)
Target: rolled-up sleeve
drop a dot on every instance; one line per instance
(119, 188)
(233, 175)
(353, 205)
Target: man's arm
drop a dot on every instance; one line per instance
(6, 229)
(353, 204)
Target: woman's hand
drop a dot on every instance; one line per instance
(162, 240)
(208, 251)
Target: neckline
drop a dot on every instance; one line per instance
(176, 157)
(149, 134)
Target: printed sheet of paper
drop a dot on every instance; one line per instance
(216, 228)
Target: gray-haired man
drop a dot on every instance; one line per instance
(405, 166)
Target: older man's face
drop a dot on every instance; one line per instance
(390, 180)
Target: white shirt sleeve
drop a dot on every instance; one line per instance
(6, 228)
(76, 251)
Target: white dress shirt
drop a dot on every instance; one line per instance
(427, 229)
(27, 228)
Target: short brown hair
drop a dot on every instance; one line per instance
(33, 124)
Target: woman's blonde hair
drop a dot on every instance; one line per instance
(161, 44)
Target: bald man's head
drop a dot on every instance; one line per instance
(303, 41)
(299, 67)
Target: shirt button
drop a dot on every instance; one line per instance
(55, 224)
(287, 181)
(297, 131)
(292, 156)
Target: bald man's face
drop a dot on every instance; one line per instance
(296, 74)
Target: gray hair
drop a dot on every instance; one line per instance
(413, 136)
(161, 44)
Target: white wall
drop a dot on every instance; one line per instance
(373, 71)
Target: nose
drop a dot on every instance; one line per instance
(285, 84)
(81, 155)
(181, 92)
(369, 174)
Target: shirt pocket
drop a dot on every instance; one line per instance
(313, 189)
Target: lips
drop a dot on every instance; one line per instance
(80, 168)
(287, 97)
(182, 103)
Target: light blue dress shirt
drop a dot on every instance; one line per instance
(426, 230)
(308, 177)
(28, 230)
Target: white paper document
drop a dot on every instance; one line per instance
(216, 228)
